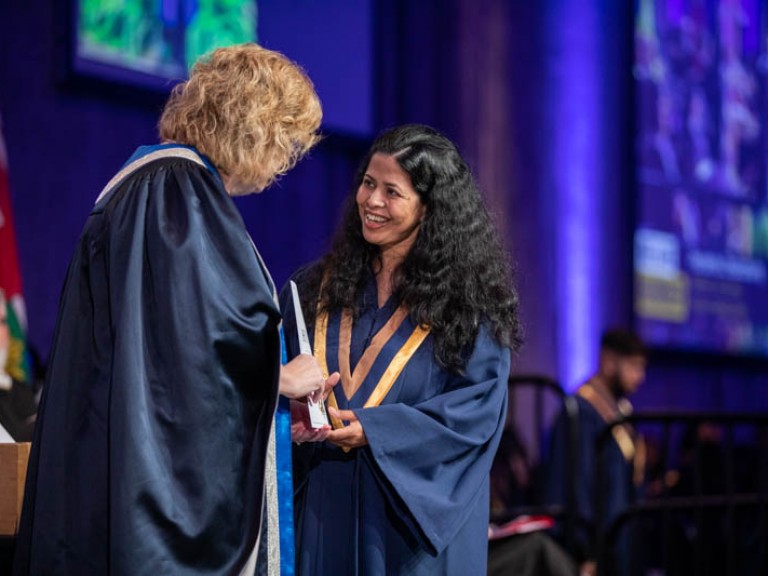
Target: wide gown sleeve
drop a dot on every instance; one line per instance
(436, 455)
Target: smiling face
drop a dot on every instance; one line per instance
(389, 207)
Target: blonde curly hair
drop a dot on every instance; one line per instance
(253, 112)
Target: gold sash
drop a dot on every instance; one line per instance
(610, 413)
(632, 449)
(351, 381)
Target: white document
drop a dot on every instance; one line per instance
(5, 437)
(317, 415)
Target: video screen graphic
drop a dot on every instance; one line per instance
(701, 150)
(153, 43)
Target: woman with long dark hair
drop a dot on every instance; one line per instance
(414, 307)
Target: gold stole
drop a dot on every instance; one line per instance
(351, 381)
(633, 450)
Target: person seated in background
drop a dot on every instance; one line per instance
(600, 401)
(17, 400)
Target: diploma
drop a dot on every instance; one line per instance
(317, 415)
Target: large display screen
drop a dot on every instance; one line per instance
(152, 43)
(144, 47)
(701, 151)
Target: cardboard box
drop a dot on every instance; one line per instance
(13, 475)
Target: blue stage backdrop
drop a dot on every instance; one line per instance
(537, 95)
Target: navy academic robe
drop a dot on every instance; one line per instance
(415, 500)
(149, 450)
(617, 492)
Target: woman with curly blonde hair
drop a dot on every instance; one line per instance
(153, 433)
(252, 121)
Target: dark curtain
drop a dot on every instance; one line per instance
(473, 69)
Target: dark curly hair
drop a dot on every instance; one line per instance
(457, 274)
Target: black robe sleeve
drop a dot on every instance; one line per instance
(152, 433)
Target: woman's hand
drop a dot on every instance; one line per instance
(300, 377)
(352, 435)
(301, 426)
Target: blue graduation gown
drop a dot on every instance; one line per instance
(149, 450)
(618, 490)
(415, 500)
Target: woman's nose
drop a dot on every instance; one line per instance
(375, 198)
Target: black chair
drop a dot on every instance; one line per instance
(708, 513)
